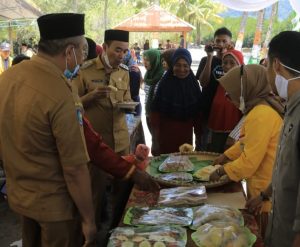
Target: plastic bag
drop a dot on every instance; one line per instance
(158, 216)
(208, 213)
(179, 177)
(176, 164)
(223, 234)
(157, 236)
(182, 196)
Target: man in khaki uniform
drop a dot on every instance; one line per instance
(42, 145)
(99, 102)
(6, 60)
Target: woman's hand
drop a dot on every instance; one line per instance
(221, 160)
(254, 205)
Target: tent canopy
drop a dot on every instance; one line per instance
(18, 9)
(155, 19)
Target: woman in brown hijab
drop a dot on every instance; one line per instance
(253, 155)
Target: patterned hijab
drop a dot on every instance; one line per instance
(156, 71)
(178, 98)
(256, 88)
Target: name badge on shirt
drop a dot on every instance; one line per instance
(99, 81)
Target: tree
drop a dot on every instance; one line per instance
(270, 28)
(257, 37)
(240, 37)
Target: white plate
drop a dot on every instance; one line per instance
(127, 105)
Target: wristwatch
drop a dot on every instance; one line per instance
(264, 197)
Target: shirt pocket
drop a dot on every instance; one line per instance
(122, 88)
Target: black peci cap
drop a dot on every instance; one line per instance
(61, 25)
(117, 35)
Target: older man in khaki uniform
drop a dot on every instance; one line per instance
(42, 143)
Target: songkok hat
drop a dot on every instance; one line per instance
(61, 25)
(117, 35)
(5, 46)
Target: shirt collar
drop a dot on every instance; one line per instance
(292, 103)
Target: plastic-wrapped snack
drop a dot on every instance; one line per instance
(157, 236)
(204, 173)
(158, 216)
(176, 163)
(208, 213)
(227, 234)
(178, 177)
(182, 196)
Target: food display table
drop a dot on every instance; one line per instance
(142, 199)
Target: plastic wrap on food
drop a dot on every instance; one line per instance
(182, 196)
(219, 234)
(177, 177)
(208, 213)
(176, 163)
(158, 216)
(153, 236)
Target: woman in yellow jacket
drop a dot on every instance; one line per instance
(252, 157)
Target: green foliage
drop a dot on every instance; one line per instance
(203, 14)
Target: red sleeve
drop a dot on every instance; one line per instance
(102, 155)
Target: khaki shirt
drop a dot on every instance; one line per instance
(104, 115)
(284, 221)
(40, 132)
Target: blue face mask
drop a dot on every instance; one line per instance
(71, 74)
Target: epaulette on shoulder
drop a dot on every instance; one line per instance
(123, 66)
(87, 64)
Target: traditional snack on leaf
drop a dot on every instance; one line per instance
(158, 216)
(182, 196)
(219, 234)
(176, 163)
(209, 213)
(112, 88)
(153, 236)
(177, 177)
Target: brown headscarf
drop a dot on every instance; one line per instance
(256, 88)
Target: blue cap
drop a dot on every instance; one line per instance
(5, 46)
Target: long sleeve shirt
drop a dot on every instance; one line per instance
(253, 155)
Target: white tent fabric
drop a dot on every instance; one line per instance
(255, 5)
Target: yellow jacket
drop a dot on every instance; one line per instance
(2, 67)
(254, 154)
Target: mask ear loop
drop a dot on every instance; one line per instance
(242, 100)
(75, 56)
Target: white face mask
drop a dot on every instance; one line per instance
(107, 61)
(282, 83)
(282, 86)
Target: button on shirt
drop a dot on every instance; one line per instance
(284, 221)
(106, 118)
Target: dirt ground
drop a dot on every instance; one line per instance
(10, 226)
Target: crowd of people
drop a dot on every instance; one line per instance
(64, 143)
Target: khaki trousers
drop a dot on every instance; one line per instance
(51, 234)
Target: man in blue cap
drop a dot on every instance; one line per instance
(6, 60)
